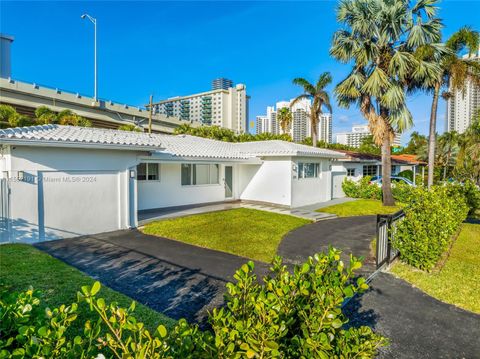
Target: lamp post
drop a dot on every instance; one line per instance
(94, 22)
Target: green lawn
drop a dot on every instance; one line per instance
(359, 207)
(458, 282)
(245, 232)
(22, 266)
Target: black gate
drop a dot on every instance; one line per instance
(386, 225)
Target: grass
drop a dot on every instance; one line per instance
(245, 232)
(458, 282)
(22, 266)
(360, 207)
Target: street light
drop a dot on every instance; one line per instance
(94, 22)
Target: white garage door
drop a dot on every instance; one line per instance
(76, 203)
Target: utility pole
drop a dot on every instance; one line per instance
(150, 115)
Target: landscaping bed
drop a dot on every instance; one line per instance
(361, 207)
(244, 232)
(23, 266)
(458, 281)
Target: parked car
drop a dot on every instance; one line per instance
(395, 179)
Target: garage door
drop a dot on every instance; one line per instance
(337, 180)
(76, 203)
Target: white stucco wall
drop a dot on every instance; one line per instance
(169, 192)
(83, 191)
(271, 182)
(306, 191)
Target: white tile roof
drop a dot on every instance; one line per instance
(80, 135)
(180, 145)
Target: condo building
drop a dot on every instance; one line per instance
(219, 107)
(300, 127)
(355, 137)
(461, 106)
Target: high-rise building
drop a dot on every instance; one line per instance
(225, 108)
(300, 127)
(221, 84)
(357, 135)
(461, 106)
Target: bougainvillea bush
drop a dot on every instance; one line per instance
(291, 314)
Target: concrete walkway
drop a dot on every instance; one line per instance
(417, 325)
(313, 207)
(295, 212)
(350, 234)
(175, 278)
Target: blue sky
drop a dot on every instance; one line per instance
(177, 48)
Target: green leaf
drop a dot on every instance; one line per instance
(337, 323)
(95, 288)
(162, 331)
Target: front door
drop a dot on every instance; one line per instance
(228, 181)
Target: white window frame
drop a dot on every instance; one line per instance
(192, 179)
(146, 172)
(369, 167)
(351, 169)
(301, 170)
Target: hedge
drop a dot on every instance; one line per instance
(432, 216)
(291, 314)
(364, 189)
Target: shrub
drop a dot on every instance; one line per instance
(470, 191)
(407, 174)
(362, 189)
(290, 315)
(402, 192)
(431, 218)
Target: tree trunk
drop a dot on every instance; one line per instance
(432, 135)
(313, 123)
(387, 172)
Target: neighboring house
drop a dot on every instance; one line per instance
(68, 181)
(357, 165)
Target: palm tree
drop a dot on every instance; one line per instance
(448, 146)
(285, 118)
(455, 72)
(468, 159)
(45, 116)
(381, 37)
(9, 117)
(319, 98)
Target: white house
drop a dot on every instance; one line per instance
(61, 181)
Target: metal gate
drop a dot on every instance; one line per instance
(4, 211)
(386, 227)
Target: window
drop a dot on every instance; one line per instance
(148, 172)
(370, 170)
(351, 172)
(308, 170)
(199, 174)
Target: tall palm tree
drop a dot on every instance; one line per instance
(468, 159)
(455, 72)
(285, 118)
(319, 99)
(381, 37)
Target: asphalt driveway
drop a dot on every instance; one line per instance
(350, 234)
(178, 279)
(417, 325)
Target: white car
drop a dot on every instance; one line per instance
(395, 179)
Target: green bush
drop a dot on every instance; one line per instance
(290, 315)
(431, 218)
(470, 191)
(407, 174)
(362, 189)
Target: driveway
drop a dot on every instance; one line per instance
(172, 277)
(417, 325)
(350, 234)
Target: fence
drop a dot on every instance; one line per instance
(4, 211)
(386, 225)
